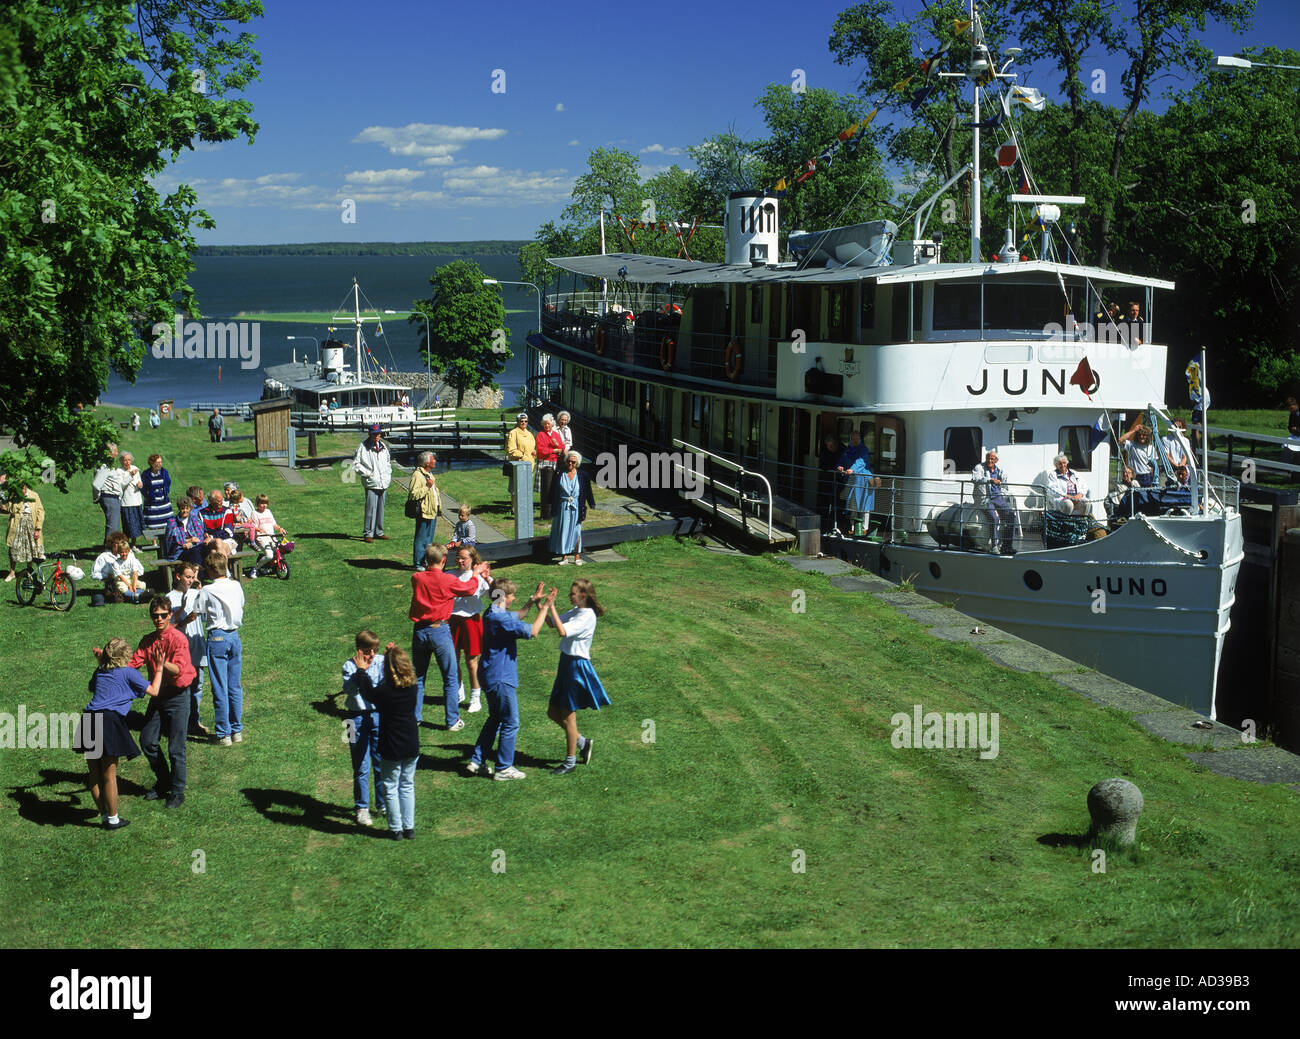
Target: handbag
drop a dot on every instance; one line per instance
(414, 505)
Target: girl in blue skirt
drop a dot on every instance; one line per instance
(577, 685)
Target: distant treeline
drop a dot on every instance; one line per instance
(487, 248)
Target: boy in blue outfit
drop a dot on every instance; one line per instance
(363, 725)
(499, 672)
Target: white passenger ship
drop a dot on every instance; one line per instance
(359, 393)
(753, 362)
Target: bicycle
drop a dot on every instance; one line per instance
(50, 574)
(277, 565)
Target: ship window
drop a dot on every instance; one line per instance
(756, 305)
(729, 425)
(868, 308)
(695, 410)
(898, 323)
(1023, 307)
(606, 389)
(956, 306)
(618, 390)
(961, 446)
(753, 429)
(1072, 442)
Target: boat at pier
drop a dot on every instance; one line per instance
(336, 392)
(743, 369)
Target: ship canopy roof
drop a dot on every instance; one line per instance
(665, 270)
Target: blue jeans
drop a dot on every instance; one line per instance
(424, 534)
(374, 513)
(365, 755)
(112, 506)
(999, 513)
(503, 717)
(399, 787)
(225, 662)
(427, 642)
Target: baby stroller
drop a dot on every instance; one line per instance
(272, 561)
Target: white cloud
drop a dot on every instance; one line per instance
(573, 143)
(373, 177)
(492, 185)
(437, 160)
(426, 141)
(559, 106)
(660, 149)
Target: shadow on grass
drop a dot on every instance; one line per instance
(323, 536)
(64, 808)
(330, 706)
(292, 808)
(429, 763)
(378, 564)
(241, 456)
(1065, 840)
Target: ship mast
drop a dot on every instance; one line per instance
(356, 317)
(975, 199)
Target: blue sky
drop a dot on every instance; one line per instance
(390, 104)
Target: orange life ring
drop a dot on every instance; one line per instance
(600, 340)
(667, 353)
(734, 359)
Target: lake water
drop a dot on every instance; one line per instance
(230, 285)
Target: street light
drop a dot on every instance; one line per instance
(500, 281)
(428, 344)
(1230, 61)
(314, 340)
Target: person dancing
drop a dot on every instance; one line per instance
(577, 686)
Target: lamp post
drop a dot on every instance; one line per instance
(428, 343)
(314, 340)
(501, 281)
(1230, 61)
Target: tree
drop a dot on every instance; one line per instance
(96, 99)
(847, 189)
(1215, 205)
(467, 322)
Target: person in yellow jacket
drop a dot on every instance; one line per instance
(424, 497)
(521, 445)
(24, 538)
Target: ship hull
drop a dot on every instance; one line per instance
(1150, 604)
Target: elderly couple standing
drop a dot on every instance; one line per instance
(544, 451)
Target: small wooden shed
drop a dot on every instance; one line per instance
(271, 427)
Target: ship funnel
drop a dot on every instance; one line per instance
(749, 228)
(331, 355)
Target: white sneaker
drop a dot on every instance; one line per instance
(363, 817)
(460, 695)
(509, 773)
(475, 705)
(237, 737)
(577, 560)
(460, 724)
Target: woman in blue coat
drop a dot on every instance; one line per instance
(570, 496)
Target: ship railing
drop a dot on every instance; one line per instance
(746, 502)
(948, 512)
(597, 305)
(237, 410)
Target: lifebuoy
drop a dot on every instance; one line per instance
(667, 353)
(600, 340)
(734, 359)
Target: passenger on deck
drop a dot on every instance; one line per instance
(828, 501)
(1291, 450)
(1134, 326)
(1140, 452)
(990, 495)
(1117, 502)
(1066, 493)
(855, 464)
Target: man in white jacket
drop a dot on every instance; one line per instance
(374, 464)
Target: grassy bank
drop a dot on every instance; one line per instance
(745, 741)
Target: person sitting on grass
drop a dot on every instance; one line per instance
(103, 735)
(399, 737)
(465, 535)
(119, 569)
(501, 632)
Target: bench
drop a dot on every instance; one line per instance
(164, 567)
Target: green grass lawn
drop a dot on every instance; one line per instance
(743, 739)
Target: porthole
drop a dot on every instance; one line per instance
(935, 572)
(1033, 580)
